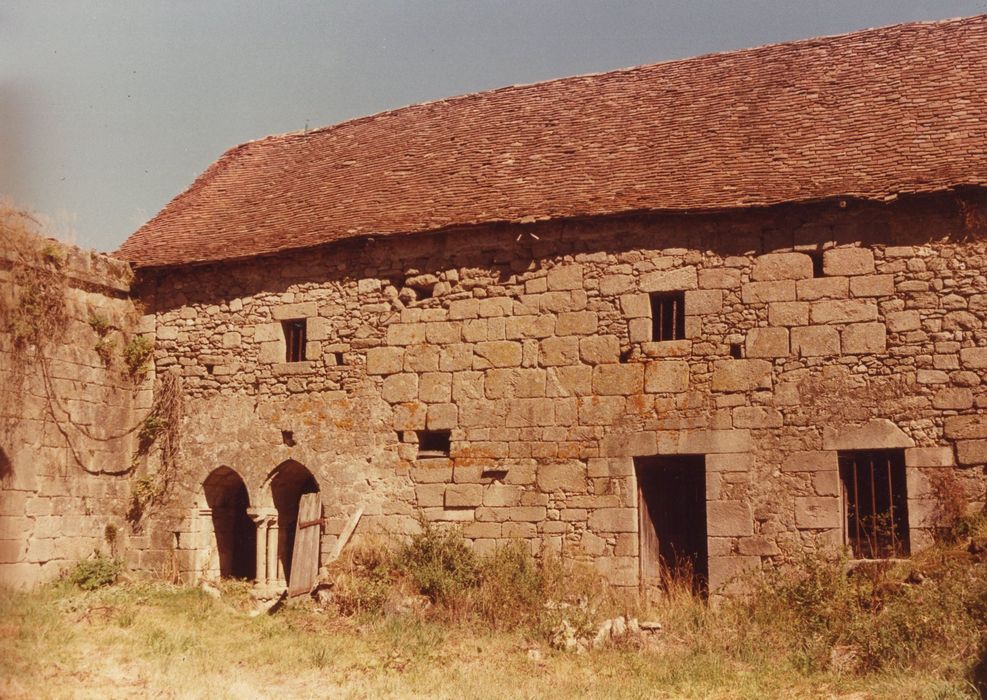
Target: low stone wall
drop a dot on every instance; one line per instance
(808, 330)
(67, 412)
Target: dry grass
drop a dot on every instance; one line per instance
(160, 641)
(815, 634)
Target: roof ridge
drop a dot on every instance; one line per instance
(863, 114)
(616, 71)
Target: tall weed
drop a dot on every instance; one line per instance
(96, 572)
(439, 562)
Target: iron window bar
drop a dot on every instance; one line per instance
(294, 340)
(667, 316)
(875, 503)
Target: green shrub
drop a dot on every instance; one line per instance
(881, 615)
(52, 254)
(506, 588)
(512, 586)
(438, 562)
(105, 348)
(152, 426)
(99, 324)
(816, 614)
(136, 354)
(39, 313)
(515, 588)
(97, 572)
(144, 491)
(362, 579)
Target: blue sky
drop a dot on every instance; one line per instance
(108, 109)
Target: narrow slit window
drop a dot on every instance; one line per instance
(875, 503)
(294, 340)
(817, 263)
(433, 443)
(668, 316)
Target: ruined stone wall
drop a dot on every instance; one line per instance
(532, 344)
(65, 411)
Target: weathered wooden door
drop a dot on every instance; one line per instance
(672, 519)
(650, 556)
(305, 554)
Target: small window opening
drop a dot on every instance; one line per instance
(494, 474)
(875, 504)
(294, 340)
(209, 368)
(668, 316)
(339, 357)
(817, 263)
(433, 443)
(736, 351)
(424, 292)
(288, 438)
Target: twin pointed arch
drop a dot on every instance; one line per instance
(254, 537)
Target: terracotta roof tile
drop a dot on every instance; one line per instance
(871, 114)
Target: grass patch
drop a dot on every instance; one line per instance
(914, 629)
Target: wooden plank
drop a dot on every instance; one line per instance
(305, 554)
(345, 535)
(650, 558)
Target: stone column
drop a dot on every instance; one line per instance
(205, 544)
(265, 520)
(260, 560)
(273, 565)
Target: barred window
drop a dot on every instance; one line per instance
(875, 503)
(668, 316)
(294, 339)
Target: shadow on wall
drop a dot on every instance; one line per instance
(6, 467)
(236, 536)
(906, 222)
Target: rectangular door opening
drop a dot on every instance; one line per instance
(672, 521)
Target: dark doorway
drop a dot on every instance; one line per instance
(236, 536)
(672, 520)
(290, 481)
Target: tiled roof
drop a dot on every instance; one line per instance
(871, 115)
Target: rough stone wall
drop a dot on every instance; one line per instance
(65, 454)
(532, 345)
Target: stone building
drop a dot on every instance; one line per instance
(706, 313)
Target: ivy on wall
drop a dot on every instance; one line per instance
(34, 316)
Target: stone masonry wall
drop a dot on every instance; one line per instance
(64, 462)
(532, 345)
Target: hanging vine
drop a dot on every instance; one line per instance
(34, 316)
(159, 427)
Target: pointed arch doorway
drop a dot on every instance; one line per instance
(233, 540)
(277, 525)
